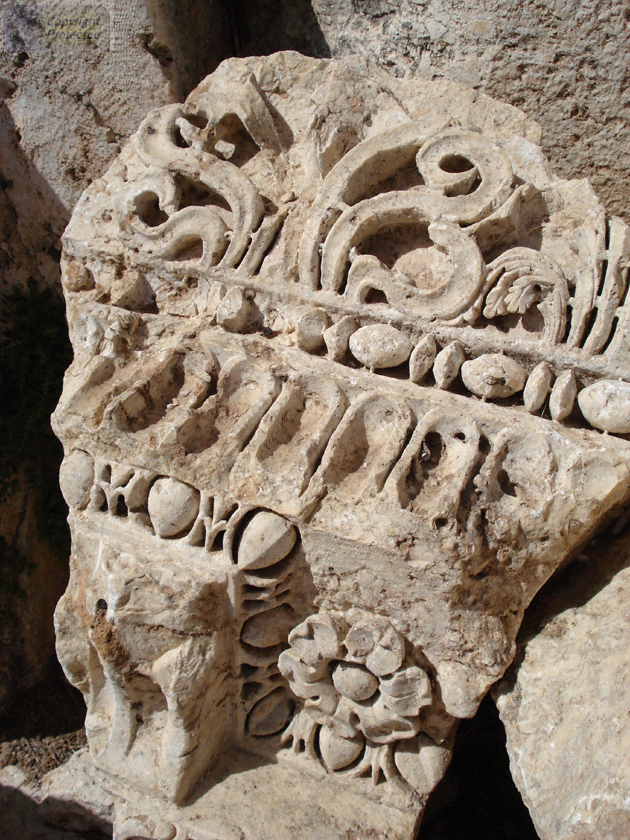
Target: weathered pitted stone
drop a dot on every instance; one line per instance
(76, 478)
(331, 548)
(310, 330)
(337, 337)
(565, 708)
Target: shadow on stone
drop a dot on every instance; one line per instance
(20, 820)
(261, 27)
(477, 799)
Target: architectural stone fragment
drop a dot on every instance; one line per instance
(307, 547)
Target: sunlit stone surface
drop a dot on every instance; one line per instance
(330, 330)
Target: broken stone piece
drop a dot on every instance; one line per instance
(234, 311)
(293, 572)
(310, 330)
(337, 337)
(564, 708)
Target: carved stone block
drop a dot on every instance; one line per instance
(344, 352)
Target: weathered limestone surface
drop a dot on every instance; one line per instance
(561, 61)
(325, 439)
(565, 708)
(76, 79)
(79, 77)
(20, 817)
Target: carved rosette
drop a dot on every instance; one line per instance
(361, 695)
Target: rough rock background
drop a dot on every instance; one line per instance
(561, 61)
(565, 702)
(70, 93)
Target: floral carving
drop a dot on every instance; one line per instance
(362, 693)
(521, 278)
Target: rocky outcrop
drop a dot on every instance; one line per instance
(565, 706)
(79, 79)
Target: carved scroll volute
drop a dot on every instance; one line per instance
(466, 177)
(372, 161)
(181, 146)
(314, 512)
(152, 207)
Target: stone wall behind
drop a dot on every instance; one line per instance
(563, 62)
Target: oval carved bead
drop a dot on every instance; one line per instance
(76, 477)
(266, 540)
(380, 346)
(354, 682)
(270, 714)
(338, 752)
(448, 363)
(422, 358)
(493, 375)
(268, 628)
(563, 395)
(606, 406)
(173, 506)
(537, 387)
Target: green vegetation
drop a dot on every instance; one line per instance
(34, 353)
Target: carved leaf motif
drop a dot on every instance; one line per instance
(522, 277)
(495, 303)
(522, 295)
